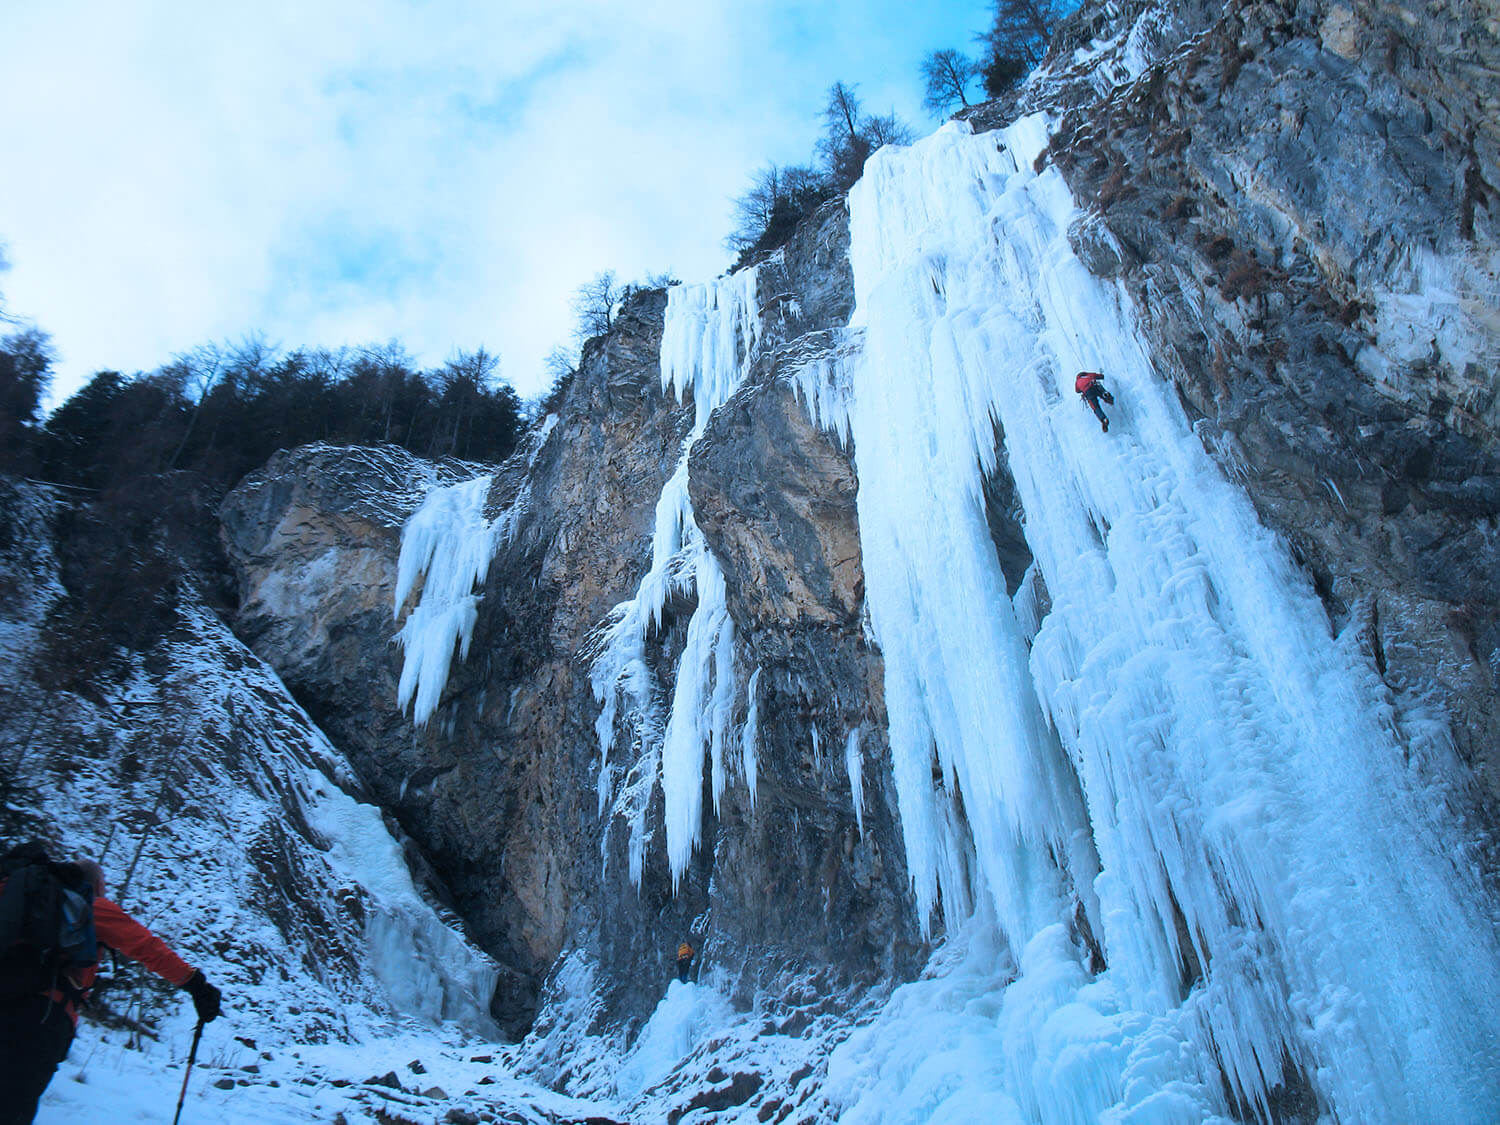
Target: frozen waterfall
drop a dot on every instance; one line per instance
(1176, 763)
(446, 546)
(708, 344)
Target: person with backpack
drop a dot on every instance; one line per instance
(1090, 384)
(684, 961)
(53, 920)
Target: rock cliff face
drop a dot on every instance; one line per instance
(496, 789)
(500, 788)
(1300, 199)
(315, 536)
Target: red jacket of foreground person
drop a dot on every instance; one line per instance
(1085, 380)
(38, 1019)
(125, 936)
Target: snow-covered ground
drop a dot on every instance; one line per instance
(238, 1080)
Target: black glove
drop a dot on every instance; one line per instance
(205, 997)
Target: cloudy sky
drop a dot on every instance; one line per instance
(445, 172)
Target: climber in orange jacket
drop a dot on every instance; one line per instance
(38, 1018)
(684, 961)
(1090, 384)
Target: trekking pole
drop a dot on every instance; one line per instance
(192, 1055)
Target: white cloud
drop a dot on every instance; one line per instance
(343, 171)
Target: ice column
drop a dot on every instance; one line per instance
(447, 545)
(1277, 880)
(708, 343)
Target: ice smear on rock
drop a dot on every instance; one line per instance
(426, 968)
(447, 544)
(1177, 764)
(708, 342)
(687, 1014)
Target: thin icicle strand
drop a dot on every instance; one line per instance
(854, 763)
(750, 736)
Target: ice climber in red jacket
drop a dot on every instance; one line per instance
(39, 1005)
(1090, 384)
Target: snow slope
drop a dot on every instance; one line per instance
(227, 823)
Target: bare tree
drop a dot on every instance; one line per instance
(560, 362)
(841, 114)
(887, 130)
(478, 369)
(198, 371)
(1017, 41)
(777, 199)
(843, 147)
(561, 365)
(464, 380)
(849, 136)
(947, 74)
(594, 303)
(753, 210)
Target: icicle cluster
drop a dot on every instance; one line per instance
(447, 545)
(1177, 759)
(708, 342)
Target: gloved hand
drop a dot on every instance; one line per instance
(205, 997)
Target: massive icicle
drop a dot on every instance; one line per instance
(1274, 886)
(708, 343)
(447, 544)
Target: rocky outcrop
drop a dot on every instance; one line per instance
(314, 538)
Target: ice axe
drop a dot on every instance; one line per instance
(192, 1056)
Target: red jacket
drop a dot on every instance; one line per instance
(122, 933)
(1085, 380)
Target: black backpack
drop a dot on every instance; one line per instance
(46, 923)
